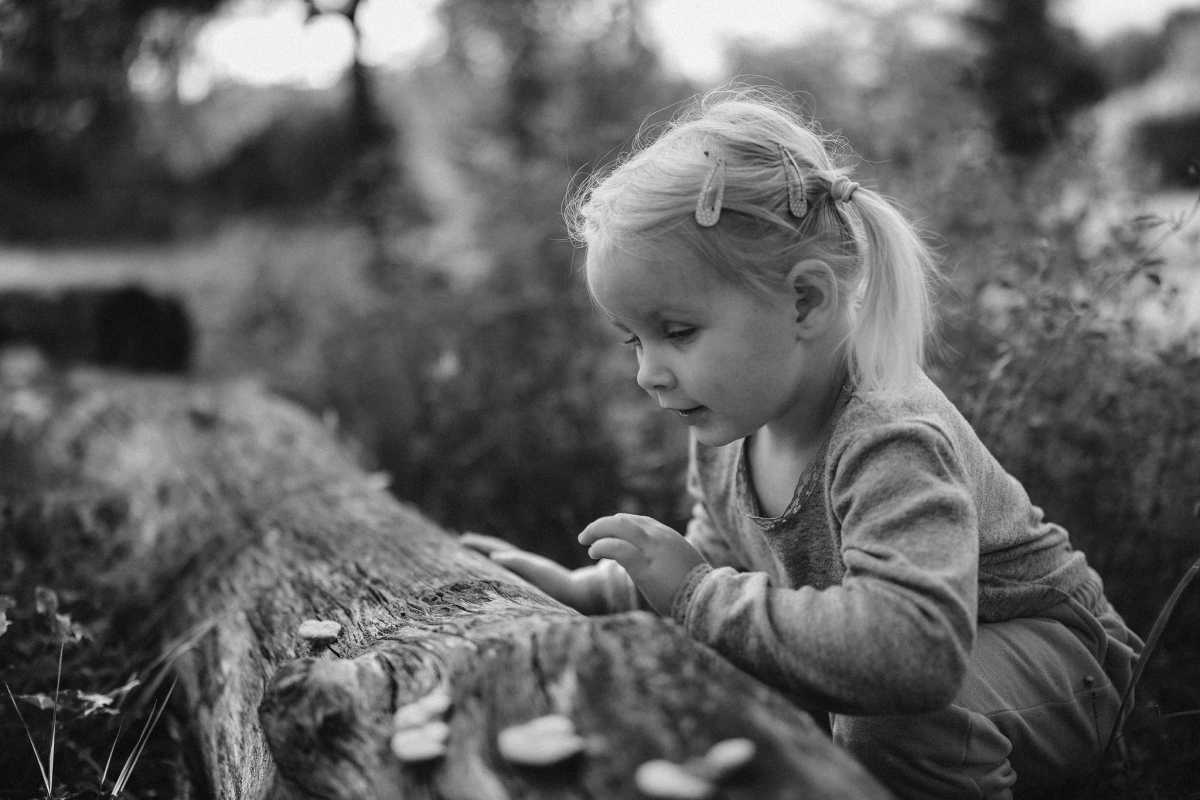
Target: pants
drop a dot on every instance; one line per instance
(1035, 711)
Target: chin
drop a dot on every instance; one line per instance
(717, 438)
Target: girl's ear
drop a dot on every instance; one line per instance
(815, 292)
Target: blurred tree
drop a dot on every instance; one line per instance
(375, 187)
(1034, 73)
(516, 29)
(64, 91)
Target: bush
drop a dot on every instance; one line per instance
(1168, 144)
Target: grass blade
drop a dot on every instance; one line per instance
(1156, 631)
(131, 760)
(161, 667)
(1195, 712)
(54, 712)
(29, 735)
(111, 750)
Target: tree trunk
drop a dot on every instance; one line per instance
(242, 516)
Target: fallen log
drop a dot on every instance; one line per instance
(238, 516)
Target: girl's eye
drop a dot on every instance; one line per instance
(632, 341)
(680, 334)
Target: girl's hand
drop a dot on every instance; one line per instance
(549, 576)
(655, 556)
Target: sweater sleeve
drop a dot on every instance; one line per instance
(895, 635)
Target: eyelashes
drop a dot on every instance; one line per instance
(680, 334)
(677, 335)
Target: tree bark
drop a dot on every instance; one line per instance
(241, 516)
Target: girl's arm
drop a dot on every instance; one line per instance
(895, 635)
(602, 588)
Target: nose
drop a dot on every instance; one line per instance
(652, 374)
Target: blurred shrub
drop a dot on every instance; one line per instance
(1169, 145)
(295, 162)
(1132, 57)
(484, 408)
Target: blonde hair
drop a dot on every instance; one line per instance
(644, 206)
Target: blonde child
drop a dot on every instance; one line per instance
(852, 541)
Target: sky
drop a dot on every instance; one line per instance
(267, 41)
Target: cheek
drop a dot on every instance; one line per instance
(767, 347)
(768, 366)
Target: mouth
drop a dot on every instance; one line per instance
(687, 412)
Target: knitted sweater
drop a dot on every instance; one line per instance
(864, 595)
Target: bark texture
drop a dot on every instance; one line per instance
(239, 516)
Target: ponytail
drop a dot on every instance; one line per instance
(893, 317)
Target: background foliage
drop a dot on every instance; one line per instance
(390, 253)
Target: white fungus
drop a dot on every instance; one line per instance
(727, 757)
(667, 780)
(432, 706)
(320, 630)
(421, 742)
(540, 742)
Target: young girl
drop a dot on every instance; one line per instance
(852, 541)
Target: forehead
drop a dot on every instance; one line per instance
(637, 287)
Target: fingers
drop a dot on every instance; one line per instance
(549, 576)
(484, 544)
(618, 550)
(527, 565)
(542, 572)
(619, 526)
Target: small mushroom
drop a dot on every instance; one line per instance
(320, 631)
(421, 743)
(723, 759)
(667, 780)
(540, 742)
(430, 707)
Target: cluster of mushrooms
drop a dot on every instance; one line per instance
(420, 734)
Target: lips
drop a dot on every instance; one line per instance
(686, 412)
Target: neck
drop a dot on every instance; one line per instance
(803, 429)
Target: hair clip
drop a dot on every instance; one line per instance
(712, 193)
(843, 189)
(797, 200)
